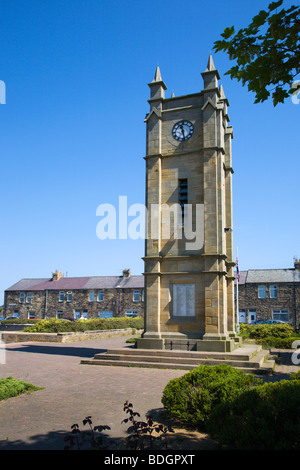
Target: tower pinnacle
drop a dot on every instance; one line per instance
(211, 75)
(210, 65)
(157, 76)
(157, 86)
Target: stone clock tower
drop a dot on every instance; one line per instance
(189, 276)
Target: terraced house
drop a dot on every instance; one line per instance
(76, 297)
(270, 294)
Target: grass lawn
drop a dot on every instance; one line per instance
(11, 387)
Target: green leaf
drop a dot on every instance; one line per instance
(268, 58)
(228, 32)
(260, 19)
(275, 5)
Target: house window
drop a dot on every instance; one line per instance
(273, 292)
(16, 314)
(261, 292)
(61, 296)
(31, 315)
(22, 297)
(184, 300)
(69, 296)
(131, 313)
(28, 297)
(136, 295)
(92, 296)
(282, 315)
(100, 296)
(59, 314)
(84, 314)
(106, 314)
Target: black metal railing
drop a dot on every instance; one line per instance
(189, 345)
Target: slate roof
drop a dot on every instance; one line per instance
(73, 283)
(243, 275)
(258, 276)
(267, 276)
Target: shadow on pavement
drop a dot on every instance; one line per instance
(177, 437)
(50, 441)
(185, 438)
(59, 350)
(56, 440)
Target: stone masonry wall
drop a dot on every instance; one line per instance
(288, 297)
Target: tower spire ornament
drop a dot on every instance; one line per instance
(157, 76)
(211, 75)
(157, 88)
(210, 65)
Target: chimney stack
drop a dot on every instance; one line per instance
(126, 273)
(297, 263)
(57, 275)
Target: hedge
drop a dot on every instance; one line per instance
(280, 330)
(280, 336)
(236, 408)
(266, 417)
(17, 321)
(60, 326)
(192, 397)
(278, 343)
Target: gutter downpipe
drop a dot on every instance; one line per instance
(46, 299)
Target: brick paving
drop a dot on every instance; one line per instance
(72, 391)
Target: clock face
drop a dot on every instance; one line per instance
(183, 130)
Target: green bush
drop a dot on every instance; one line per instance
(17, 321)
(266, 417)
(60, 326)
(295, 375)
(11, 387)
(192, 397)
(54, 326)
(279, 343)
(281, 330)
(113, 323)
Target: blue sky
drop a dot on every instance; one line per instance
(73, 135)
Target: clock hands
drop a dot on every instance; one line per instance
(182, 130)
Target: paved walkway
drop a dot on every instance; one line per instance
(72, 391)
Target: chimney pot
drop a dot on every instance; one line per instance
(297, 263)
(57, 275)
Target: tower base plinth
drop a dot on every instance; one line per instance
(176, 342)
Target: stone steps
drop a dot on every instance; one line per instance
(250, 359)
(241, 353)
